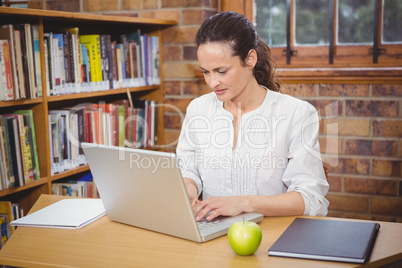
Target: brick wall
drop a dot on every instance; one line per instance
(360, 140)
(361, 125)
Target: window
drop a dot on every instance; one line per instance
(331, 32)
(392, 17)
(14, 3)
(271, 22)
(355, 22)
(311, 22)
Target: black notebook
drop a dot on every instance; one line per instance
(329, 240)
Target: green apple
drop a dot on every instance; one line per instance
(244, 237)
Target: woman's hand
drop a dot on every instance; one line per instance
(285, 204)
(192, 190)
(220, 205)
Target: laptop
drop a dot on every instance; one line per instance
(145, 189)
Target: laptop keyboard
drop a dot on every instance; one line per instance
(203, 224)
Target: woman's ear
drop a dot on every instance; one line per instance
(251, 59)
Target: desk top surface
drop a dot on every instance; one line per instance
(104, 243)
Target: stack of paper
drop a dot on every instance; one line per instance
(67, 213)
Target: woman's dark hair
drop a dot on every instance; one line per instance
(236, 30)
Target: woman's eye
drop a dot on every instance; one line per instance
(221, 72)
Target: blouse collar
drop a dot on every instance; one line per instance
(270, 98)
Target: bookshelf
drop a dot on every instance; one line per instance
(55, 21)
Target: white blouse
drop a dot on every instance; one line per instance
(277, 150)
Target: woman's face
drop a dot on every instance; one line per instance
(225, 74)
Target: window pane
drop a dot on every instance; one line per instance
(355, 21)
(270, 19)
(392, 18)
(312, 22)
(19, 5)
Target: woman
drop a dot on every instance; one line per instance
(246, 147)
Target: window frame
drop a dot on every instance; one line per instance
(8, 3)
(343, 55)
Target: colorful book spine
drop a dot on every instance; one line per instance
(3, 231)
(31, 63)
(36, 57)
(77, 54)
(19, 65)
(92, 43)
(6, 209)
(29, 122)
(6, 75)
(7, 155)
(7, 33)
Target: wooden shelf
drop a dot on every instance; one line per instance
(88, 17)
(68, 173)
(100, 93)
(351, 74)
(20, 102)
(55, 21)
(23, 188)
(336, 74)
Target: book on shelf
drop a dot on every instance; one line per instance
(115, 124)
(95, 62)
(20, 62)
(6, 80)
(30, 135)
(18, 151)
(73, 62)
(19, 65)
(3, 231)
(86, 69)
(122, 107)
(153, 138)
(64, 144)
(36, 60)
(77, 158)
(7, 34)
(83, 186)
(59, 136)
(106, 59)
(7, 210)
(120, 66)
(7, 165)
(31, 60)
(75, 57)
(18, 212)
(29, 90)
(60, 76)
(27, 59)
(63, 117)
(47, 47)
(126, 56)
(144, 61)
(14, 152)
(68, 56)
(92, 43)
(75, 188)
(4, 172)
(146, 121)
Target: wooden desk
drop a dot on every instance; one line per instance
(109, 244)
